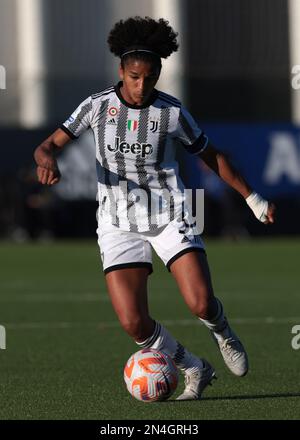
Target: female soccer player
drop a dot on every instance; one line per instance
(140, 196)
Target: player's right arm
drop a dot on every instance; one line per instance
(44, 156)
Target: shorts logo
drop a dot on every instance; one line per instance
(132, 125)
(136, 148)
(113, 111)
(153, 126)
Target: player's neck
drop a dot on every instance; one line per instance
(126, 99)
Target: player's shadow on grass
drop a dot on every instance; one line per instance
(249, 397)
(253, 396)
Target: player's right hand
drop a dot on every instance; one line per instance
(48, 176)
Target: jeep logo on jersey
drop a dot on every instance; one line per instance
(136, 148)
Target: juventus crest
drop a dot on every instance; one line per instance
(153, 126)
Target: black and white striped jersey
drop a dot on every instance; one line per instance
(138, 182)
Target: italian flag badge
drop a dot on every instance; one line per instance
(132, 125)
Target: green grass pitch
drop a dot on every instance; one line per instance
(65, 350)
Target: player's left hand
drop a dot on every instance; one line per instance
(270, 214)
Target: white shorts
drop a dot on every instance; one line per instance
(122, 249)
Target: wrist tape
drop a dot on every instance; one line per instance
(258, 205)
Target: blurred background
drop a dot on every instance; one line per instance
(237, 71)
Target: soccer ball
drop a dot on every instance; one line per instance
(150, 375)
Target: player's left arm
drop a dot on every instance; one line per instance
(217, 161)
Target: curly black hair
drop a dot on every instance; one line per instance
(136, 32)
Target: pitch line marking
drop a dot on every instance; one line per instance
(49, 297)
(115, 324)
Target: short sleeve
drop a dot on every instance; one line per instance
(189, 133)
(80, 119)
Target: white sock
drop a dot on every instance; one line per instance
(164, 341)
(218, 325)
